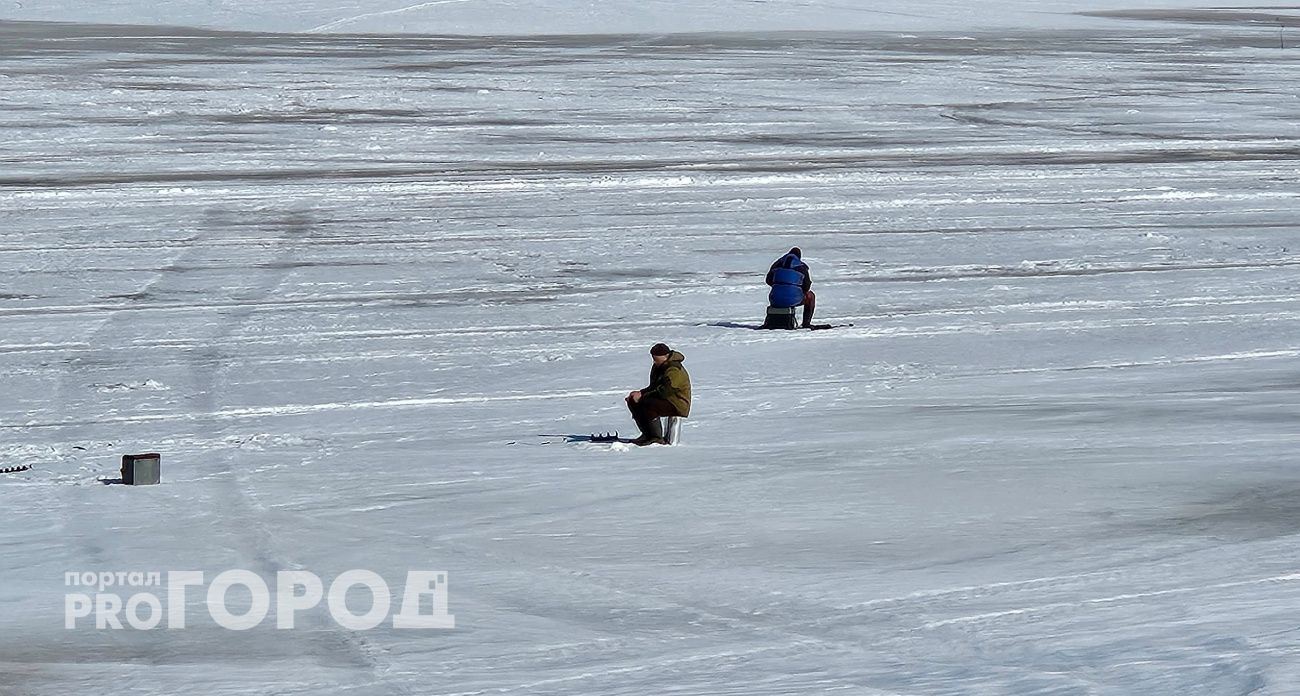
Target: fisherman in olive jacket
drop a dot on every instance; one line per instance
(669, 394)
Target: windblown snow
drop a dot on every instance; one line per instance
(365, 293)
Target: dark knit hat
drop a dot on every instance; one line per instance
(796, 252)
(660, 349)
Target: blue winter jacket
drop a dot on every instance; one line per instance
(790, 280)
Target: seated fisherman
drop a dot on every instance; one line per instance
(792, 285)
(669, 394)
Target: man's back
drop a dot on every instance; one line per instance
(790, 281)
(671, 382)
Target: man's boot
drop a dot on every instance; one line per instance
(652, 433)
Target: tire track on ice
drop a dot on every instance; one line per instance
(207, 361)
(208, 364)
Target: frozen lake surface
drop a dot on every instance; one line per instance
(542, 17)
(361, 291)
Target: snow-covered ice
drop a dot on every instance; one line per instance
(496, 17)
(360, 291)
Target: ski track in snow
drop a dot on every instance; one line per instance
(367, 293)
(372, 15)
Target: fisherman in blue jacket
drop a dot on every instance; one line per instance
(792, 285)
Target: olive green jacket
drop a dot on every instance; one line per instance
(669, 381)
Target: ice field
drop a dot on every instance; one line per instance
(365, 293)
(519, 17)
